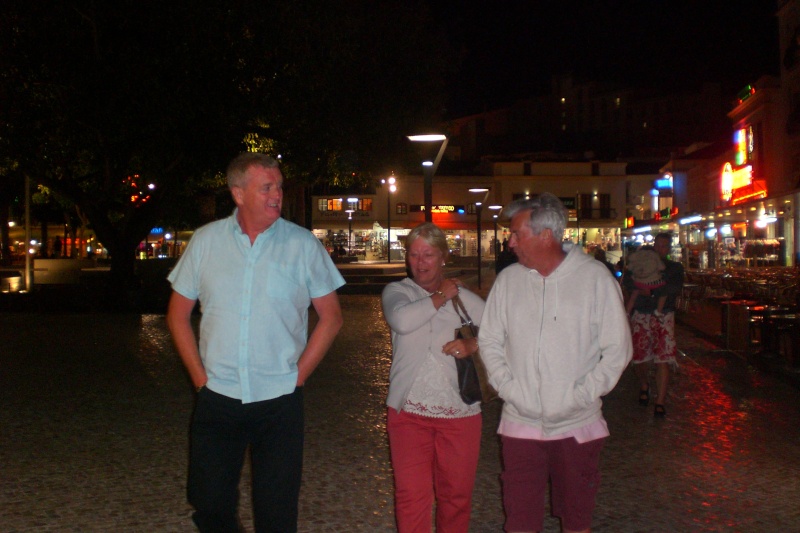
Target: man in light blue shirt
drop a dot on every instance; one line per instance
(255, 275)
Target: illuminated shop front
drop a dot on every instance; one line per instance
(346, 225)
(749, 228)
(659, 216)
(366, 227)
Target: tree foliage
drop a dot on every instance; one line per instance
(104, 98)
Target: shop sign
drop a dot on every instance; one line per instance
(570, 204)
(664, 185)
(568, 201)
(738, 185)
(746, 93)
(744, 141)
(667, 212)
(439, 209)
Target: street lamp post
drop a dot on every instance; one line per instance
(28, 258)
(479, 210)
(429, 169)
(390, 181)
(351, 203)
(494, 218)
(349, 231)
(427, 173)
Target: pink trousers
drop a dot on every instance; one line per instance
(433, 458)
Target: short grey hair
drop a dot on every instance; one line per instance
(547, 212)
(242, 162)
(430, 233)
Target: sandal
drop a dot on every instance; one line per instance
(644, 397)
(660, 412)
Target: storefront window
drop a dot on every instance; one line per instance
(329, 204)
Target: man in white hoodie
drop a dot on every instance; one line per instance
(555, 339)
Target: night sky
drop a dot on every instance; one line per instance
(511, 49)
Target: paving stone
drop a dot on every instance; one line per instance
(94, 411)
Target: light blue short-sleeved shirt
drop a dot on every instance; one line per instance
(254, 301)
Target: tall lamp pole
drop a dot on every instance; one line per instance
(28, 252)
(390, 181)
(429, 169)
(351, 204)
(494, 218)
(479, 210)
(349, 231)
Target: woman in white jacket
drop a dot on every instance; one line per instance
(434, 437)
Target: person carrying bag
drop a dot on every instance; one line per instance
(434, 435)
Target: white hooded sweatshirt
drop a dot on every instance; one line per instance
(554, 345)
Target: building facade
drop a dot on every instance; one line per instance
(601, 197)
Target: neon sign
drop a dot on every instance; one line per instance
(746, 93)
(738, 185)
(743, 140)
(664, 182)
(439, 209)
(740, 141)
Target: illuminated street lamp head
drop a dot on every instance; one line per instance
(495, 207)
(479, 189)
(390, 181)
(429, 137)
(429, 167)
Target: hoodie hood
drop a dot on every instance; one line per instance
(575, 258)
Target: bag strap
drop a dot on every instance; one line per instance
(461, 311)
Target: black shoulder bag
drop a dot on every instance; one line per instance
(473, 380)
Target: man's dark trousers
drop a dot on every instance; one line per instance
(221, 430)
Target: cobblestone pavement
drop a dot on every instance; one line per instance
(94, 412)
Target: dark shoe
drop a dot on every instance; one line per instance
(644, 397)
(660, 412)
